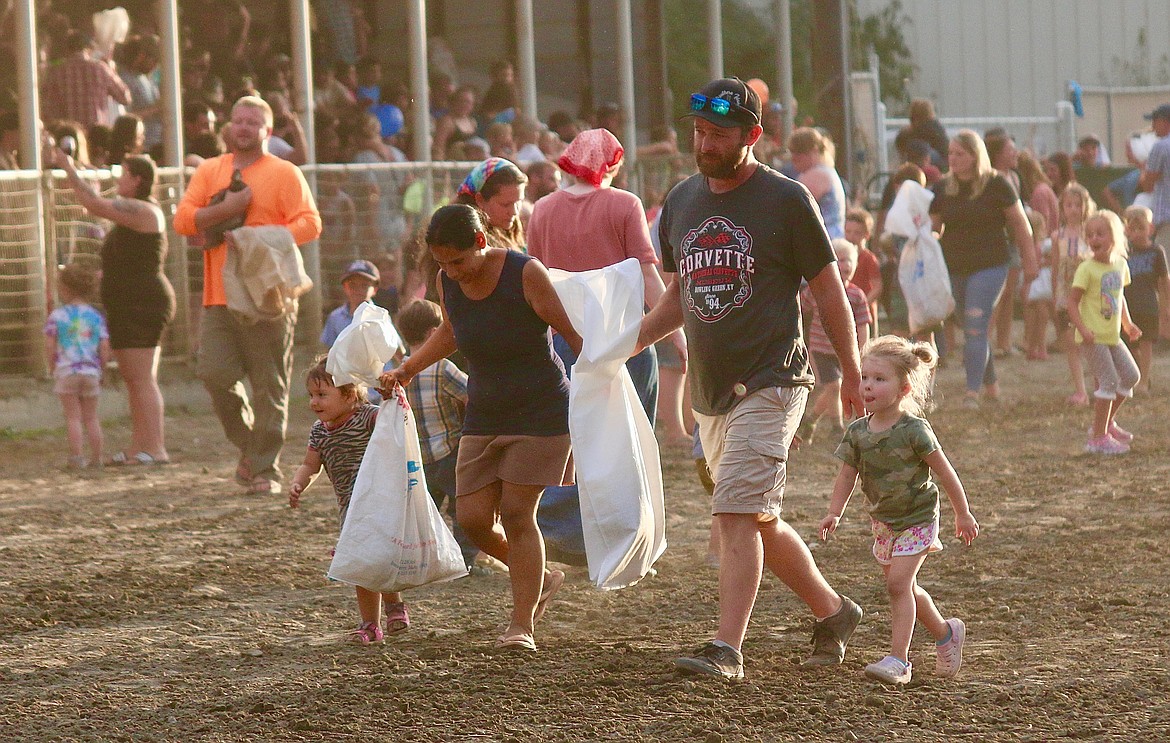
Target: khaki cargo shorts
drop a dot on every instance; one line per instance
(747, 450)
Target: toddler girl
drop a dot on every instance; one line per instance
(1068, 250)
(77, 348)
(894, 450)
(338, 440)
(1097, 309)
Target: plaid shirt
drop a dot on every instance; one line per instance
(79, 88)
(438, 396)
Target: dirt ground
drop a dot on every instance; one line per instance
(149, 604)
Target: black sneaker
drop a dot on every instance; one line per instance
(713, 660)
(832, 634)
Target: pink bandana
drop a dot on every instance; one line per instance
(591, 155)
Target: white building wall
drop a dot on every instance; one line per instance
(1015, 57)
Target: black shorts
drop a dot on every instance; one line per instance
(1149, 323)
(138, 322)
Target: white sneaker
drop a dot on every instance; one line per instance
(889, 670)
(950, 653)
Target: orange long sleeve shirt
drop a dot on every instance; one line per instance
(280, 195)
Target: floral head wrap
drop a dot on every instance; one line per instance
(591, 155)
(474, 181)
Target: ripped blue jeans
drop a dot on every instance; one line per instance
(975, 297)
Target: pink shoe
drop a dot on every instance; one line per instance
(368, 633)
(1106, 445)
(397, 620)
(1119, 433)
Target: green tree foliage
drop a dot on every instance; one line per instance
(750, 48)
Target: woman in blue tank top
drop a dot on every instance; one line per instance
(498, 306)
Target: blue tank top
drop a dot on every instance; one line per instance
(516, 384)
(832, 203)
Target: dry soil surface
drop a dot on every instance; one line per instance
(147, 604)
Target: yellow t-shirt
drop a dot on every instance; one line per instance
(1101, 303)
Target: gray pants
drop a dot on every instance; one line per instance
(1114, 368)
(231, 350)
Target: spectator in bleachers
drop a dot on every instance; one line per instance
(369, 81)
(338, 90)
(9, 140)
(126, 138)
(472, 149)
(543, 178)
(457, 125)
(78, 88)
(526, 132)
(195, 75)
(380, 209)
(500, 100)
(288, 140)
(442, 90)
(61, 130)
(500, 141)
(223, 28)
(198, 118)
(137, 68)
(564, 126)
(99, 145)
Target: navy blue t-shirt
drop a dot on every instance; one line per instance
(740, 257)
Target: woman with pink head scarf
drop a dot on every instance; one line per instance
(587, 225)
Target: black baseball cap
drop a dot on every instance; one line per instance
(744, 107)
(1161, 112)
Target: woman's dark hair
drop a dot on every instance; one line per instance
(454, 226)
(141, 167)
(122, 137)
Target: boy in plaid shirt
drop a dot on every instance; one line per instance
(438, 396)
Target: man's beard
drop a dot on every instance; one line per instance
(720, 168)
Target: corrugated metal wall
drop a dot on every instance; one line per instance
(1015, 57)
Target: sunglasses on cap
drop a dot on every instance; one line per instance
(721, 106)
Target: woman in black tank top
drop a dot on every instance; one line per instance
(138, 300)
(498, 306)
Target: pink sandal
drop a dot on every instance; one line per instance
(552, 583)
(397, 620)
(368, 633)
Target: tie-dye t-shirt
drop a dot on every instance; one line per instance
(79, 330)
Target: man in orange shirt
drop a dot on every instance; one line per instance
(230, 348)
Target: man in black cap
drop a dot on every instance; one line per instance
(738, 238)
(1156, 172)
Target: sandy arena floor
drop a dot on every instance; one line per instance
(148, 604)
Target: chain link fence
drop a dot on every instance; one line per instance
(371, 211)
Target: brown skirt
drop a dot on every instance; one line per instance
(523, 460)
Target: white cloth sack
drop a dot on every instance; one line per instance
(922, 270)
(619, 475)
(394, 537)
(362, 349)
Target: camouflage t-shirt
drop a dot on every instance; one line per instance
(894, 477)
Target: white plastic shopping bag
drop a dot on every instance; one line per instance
(394, 537)
(922, 270)
(363, 347)
(619, 475)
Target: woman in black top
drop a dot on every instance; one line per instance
(972, 211)
(498, 306)
(137, 298)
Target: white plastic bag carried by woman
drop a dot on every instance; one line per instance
(922, 270)
(394, 537)
(619, 474)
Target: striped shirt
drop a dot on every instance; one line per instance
(818, 340)
(438, 396)
(342, 449)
